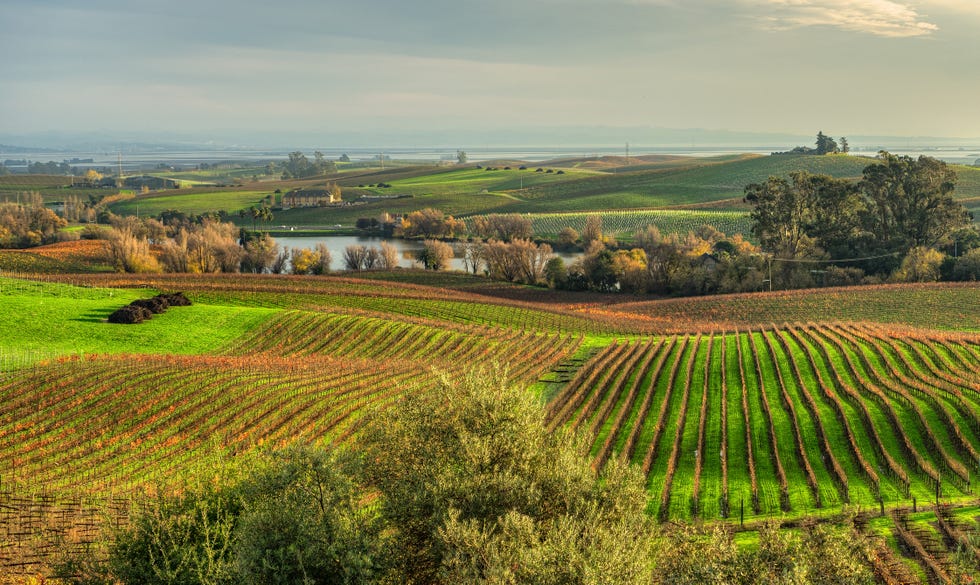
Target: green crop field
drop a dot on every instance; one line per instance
(191, 201)
(686, 185)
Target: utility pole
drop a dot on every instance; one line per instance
(627, 153)
(769, 280)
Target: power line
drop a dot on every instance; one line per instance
(834, 261)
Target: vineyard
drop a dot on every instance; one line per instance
(784, 420)
(624, 224)
(728, 416)
(951, 306)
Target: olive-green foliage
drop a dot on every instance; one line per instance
(691, 554)
(968, 266)
(291, 517)
(185, 537)
(820, 554)
(477, 491)
(303, 523)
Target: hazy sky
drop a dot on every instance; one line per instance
(889, 67)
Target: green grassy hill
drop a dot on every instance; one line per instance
(706, 183)
(573, 185)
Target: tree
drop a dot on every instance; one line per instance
(921, 264)
(461, 157)
(304, 522)
(93, 176)
(430, 223)
(473, 257)
(298, 166)
(263, 213)
(592, 231)
(354, 257)
(631, 270)
(322, 165)
(555, 272)
(567, 238)
(782, 210)
(28, 224)
(388, 257)
(844, 146)
(335, 192)
(598, 269)
(131, 253)
(306, 261)
(344, 158)
(911, 202)
(260, 253)
(826, 144)
(505, 227)
(435, 255)
(478, 491)
(295, 516)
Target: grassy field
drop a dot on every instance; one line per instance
(192, 201)
(53, 319)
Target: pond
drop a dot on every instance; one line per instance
(406, 248)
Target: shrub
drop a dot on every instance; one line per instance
(130, 315)
(838, 276)
(177, 299)
(921, 264)
(967, 266)
(154, 305)
(567, 237)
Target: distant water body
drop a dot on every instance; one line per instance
(192, 157)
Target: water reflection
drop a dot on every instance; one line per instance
(406, 248)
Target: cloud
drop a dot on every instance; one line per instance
(961, 6)
(884, 18)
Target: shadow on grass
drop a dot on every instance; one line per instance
(92, 318)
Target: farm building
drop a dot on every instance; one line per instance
(310, 197)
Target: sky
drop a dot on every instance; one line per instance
(466, 68)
